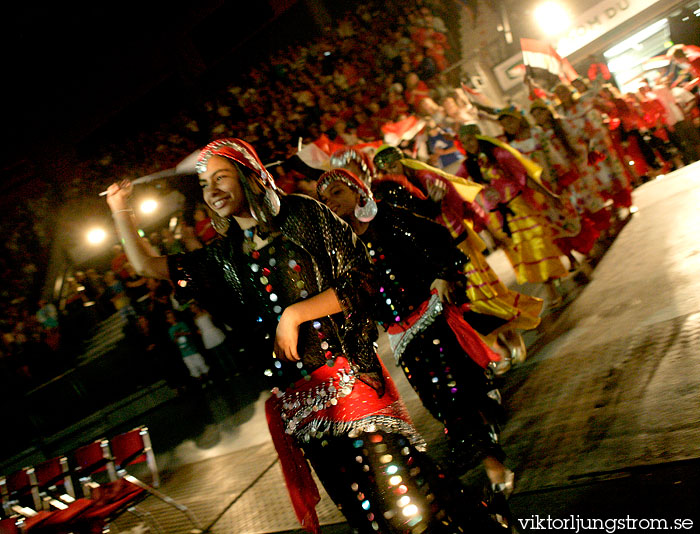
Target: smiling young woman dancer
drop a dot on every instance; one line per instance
(288, 265)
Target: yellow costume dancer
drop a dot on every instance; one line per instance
(489, 296)
(512, 193)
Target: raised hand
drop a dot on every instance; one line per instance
(118, 195)
(436, 190)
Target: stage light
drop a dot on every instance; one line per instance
(149, 206)
(552, 18)
(96, 236)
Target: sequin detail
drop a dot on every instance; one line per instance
(299, 411)
(311, 248)
(299, 406)
(399, 342)
(322, 426)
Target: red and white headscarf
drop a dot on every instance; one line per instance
(238, 151)
(263, 197)
(346, 177)
(345, 156)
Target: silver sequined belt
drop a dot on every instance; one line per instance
(400, 341)
(299, 405)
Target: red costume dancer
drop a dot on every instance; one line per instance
(586, 129)
(443, 358)
(624, 127)
(572, 232)
(565, 179)
(655, 120)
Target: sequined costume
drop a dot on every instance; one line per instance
(410, 252)
(565, 180)
(337, 403)
(398, 190)
(443, 358)
(512, 217)
(493, 307)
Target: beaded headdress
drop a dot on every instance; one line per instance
(343, 157)
(260, 189)
(238, 151)
(366, 208)
(345, 176)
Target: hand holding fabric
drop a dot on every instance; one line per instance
(436, 190)
(118, 195)
(444, 290)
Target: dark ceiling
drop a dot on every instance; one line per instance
(71, 70)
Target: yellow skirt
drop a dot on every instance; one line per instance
(531, 251)
(489, 296)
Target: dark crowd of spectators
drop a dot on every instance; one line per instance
(42, 340)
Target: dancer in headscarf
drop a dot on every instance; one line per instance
(585, 127)
(566, 179)
(516, 218)
(495, 312)
(444, 359)
(558, 166)
(289, 266)
(625, 123)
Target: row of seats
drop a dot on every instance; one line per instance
(44, 499)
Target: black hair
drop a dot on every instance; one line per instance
(472, 161)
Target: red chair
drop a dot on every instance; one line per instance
(53, 482)
(121, 491)
(22, 494)
(97, 476)
(110, 501)
(9, 526)
(131, 448)
(93, 465)
(18, 493)
(57, 521)
(135, 447)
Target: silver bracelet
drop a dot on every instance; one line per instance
(123, 211)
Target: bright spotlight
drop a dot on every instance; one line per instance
(149, 206)
(96, 236)
(552, 18)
